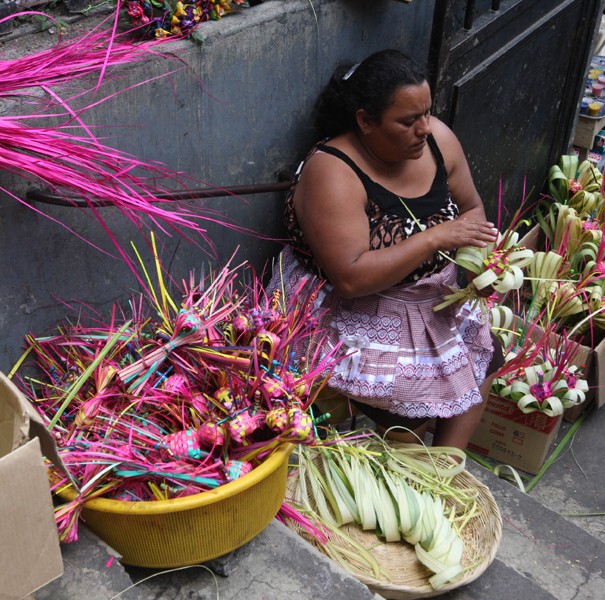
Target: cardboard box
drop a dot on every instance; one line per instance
(511, 437)
(599, 377)
(30, 553)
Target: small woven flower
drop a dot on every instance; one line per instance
(575, 186)
(576, 386)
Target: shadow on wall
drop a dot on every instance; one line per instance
(232, 111)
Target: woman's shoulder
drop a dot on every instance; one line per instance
(441, 132)
(328, 172)
(331, 156)
(447, 142)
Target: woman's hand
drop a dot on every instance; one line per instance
(464, 231)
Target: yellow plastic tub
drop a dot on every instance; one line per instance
(186, 531)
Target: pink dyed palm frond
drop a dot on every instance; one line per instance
(89, 54)
(96, 173)
(194, 414)
(288, 512)
(80, 167)
(193, 325)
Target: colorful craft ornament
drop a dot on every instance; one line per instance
(300, 427)
(546, 388)
(560, 175)
(539, 373)
(212, 435)
(160, 403)
(237, 468)
(177, 385)
(568, 229)
(277, 419)
(243, 425)
(181, 445)
(224, 395)
(568, 232)
(498, 266)
(544, 272)
(579, 187)
(178, 19)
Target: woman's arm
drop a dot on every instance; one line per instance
(330, 206)
(330, 203)
(459, 178)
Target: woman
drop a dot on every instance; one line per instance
(377, 210)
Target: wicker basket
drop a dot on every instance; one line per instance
(194, 529)
(407, 576)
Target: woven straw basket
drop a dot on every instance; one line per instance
(407, 576)
(194, 529)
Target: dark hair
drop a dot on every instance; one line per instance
(369, 85)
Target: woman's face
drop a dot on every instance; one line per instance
(402, 131)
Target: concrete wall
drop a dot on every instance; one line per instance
(235, 112)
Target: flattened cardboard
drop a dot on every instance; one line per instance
(30, 553)
(511, 437)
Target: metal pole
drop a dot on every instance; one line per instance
(469, 14)
(38, 195)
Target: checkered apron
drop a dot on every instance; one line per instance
(399, 354)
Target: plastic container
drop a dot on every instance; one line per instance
(194, 529)
(597, 89)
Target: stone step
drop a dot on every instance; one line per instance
(276, 565)
(543, 555)
(575, 485)
(539, 549)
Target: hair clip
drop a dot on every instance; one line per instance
(350, 72)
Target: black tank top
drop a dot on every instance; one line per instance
(391, 217)
(421, 207)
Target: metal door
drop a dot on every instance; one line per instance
(508, 76)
